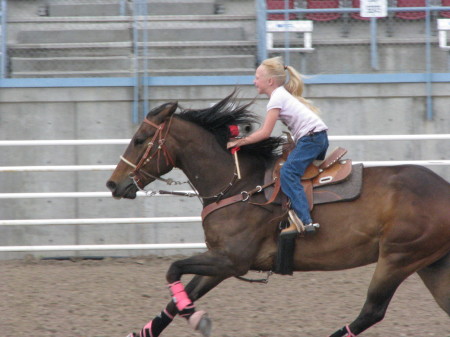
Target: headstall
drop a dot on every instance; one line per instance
(158, 139)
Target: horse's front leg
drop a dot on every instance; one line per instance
(213, 268)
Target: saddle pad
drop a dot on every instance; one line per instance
(347, 190)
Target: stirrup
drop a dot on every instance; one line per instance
(311, 228)
(295, 225)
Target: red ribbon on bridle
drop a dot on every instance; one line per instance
(234, 132)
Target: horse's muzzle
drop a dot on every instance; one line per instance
(128, 191)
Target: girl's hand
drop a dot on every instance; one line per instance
(233, 143)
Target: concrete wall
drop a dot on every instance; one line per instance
(99, 113)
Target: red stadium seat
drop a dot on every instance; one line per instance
(280, 4)
(320, 4)
(411, 15)
(445, 14)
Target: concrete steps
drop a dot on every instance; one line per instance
(85, 9)
(49, 64)
(73, 36)
(124, 66)
(154, 7)
(91, 40)
(124, 73)
(195, 32)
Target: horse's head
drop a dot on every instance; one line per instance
(147, 157)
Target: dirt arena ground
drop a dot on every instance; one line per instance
(111, 297)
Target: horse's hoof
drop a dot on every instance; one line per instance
(201, 322)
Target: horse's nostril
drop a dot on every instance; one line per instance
(111, 185)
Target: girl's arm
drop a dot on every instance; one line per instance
(262, 133)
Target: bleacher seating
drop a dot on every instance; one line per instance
(445, 14)
(280, 4)
(67, 40)
(322, 4)
(411, 15)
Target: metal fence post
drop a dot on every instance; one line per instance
(261, 16)
(123, 8)
(140, 42)
(374, 44)
(287, 58)
(428, 74)
(3, 39)
(145, 42)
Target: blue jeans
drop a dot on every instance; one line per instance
(308, 149)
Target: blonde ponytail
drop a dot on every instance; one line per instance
(275, 68)
(295, 86)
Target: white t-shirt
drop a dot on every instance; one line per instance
(294, 114)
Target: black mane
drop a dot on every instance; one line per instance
(218, 118)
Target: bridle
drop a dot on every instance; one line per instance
(158, 139)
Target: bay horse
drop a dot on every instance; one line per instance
(401, 220)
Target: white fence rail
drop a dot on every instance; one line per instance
(97, 221)
(67, 168)
(126, 141)
(150, 246)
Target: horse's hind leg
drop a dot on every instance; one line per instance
(437, 279)
(385, 281)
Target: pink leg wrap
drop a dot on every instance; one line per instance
(148, 327)
(350, 334)
(179, 295)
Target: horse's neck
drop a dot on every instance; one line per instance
(204, 162)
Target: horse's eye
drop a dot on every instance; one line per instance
(139, 141)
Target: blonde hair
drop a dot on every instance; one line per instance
(275, 68)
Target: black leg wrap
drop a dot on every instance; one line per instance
(159, 323)
(187, 312)
(284, 264)
(340, 333)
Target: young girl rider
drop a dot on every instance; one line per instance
(308, 131)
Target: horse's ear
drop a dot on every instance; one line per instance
(164, 111)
